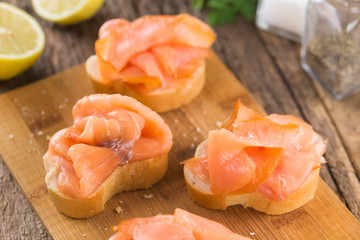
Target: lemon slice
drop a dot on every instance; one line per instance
(21, 41)
(66, 11)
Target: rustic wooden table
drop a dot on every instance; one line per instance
(268, 66)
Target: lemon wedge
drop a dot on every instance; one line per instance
(21, 41)
(66, 11)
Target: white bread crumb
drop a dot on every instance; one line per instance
(118, 209)
(148, 196)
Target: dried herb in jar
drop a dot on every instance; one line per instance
(330, 51)
(336, 60)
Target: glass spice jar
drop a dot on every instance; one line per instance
(330, 51)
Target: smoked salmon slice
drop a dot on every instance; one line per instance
(271, 154)
(152, 51)
(182, 225)
(108, 131)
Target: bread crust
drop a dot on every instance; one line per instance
(160, 100)
(134, 175)
(200, 192)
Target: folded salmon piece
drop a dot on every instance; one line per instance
(108, 131)
(272, 154)
(181, 225)
(152, 51)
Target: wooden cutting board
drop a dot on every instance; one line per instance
(31, 114)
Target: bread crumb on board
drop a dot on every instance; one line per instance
(148, 196)
(10, 136)
(218, 124)
(84, 235)
(61, 106)
(119, 209)
(252, 234)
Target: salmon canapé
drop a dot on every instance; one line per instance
(108, 132)
(273, 154)
(152, 52)
(182, 225)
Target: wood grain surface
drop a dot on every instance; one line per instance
(268, 66)
(30, 115)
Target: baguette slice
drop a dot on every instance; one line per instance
(127, 177)
(201, 193)
(160, 100)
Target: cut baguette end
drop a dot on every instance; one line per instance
(200, 192)
(127, 177)
(160, 100)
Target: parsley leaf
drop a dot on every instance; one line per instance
(224, 11)
(198, 4)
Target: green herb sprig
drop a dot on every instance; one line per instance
(224, 11)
